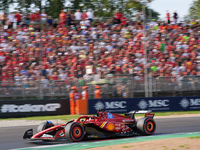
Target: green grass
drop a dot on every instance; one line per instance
(165, 147)
(125, 146)
(181, 146)
(194, 137)
(61, 117)
(69, 117)
(176, 113)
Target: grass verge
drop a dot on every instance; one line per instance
(69, 117)
(195, 137)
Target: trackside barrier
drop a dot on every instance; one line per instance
(81, 107)
(26, 108)
(124, 105)
(72, 107)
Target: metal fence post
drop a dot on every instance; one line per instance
(150, 85)
(131, 88)
(23, 92)
(40, 92)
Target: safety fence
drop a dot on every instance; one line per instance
(112, 87)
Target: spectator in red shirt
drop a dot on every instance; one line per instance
(32, 18)
(168, 17)
(4, 76)
(84, 15)
(123, 19)
(54, 77)
(37, 17)
(18, 17)
(117, 17)
(62, 17)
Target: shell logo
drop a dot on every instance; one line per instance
(110, 126)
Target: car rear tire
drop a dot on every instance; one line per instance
(146, 126)
(74, 132)
(44, 125)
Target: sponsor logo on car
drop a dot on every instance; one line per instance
(103, 124)
(124, 129)
(92, 136)
(110, 126)
(127, 120)
(117, 125)
(61, 134)
(47, 135)
(117, 128)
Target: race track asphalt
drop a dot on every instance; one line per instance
(11, 137)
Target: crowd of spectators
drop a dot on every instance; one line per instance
(76, 46)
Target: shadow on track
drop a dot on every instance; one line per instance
(64, 141)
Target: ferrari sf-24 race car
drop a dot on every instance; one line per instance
(103, 125)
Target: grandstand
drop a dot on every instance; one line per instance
(45, 57)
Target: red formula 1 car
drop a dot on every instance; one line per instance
(104, 125)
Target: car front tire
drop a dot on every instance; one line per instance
(74, 132)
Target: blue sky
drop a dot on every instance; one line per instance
(181, 6)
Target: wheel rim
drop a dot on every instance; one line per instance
(150, 126)
(77, 132)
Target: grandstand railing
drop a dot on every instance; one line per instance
(120, 87)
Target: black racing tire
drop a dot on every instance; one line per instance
(146, 126)
(43, 126)
(74, 132)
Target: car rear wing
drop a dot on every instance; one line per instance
(140, 111)
(147, 113)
